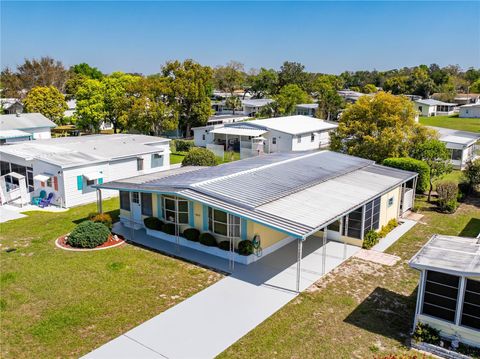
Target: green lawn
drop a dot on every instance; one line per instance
(176, 157)
(453, 122)
(360, 310)
(56, 303)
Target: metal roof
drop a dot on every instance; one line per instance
(307, 105)
(294, 192)
(455, 136)
(432, 102)
(293, 125)
(81, 150)
(234, 131)
(24, 121)
(259, 102)
(14, 134)
(450, 254)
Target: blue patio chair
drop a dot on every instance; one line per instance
(46, 201)
(36, 200)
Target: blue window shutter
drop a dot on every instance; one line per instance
(159, 206)
(205, 218)
(100, 180)
(191, 218)
(80, 183)
(243, 228)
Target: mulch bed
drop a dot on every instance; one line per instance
(113, 241)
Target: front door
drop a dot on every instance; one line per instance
(136, 207)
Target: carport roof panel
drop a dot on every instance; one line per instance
(238, 131)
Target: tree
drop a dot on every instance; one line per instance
(90, 110)
(475, 87)
(43, 72)
(46, 100)
(233, 102)
(263, 83)
(377, 127)
(189, 82)
(73, 84)
(10, 84)
(420, 83)
(230, 77)
(329, 101)
(292, 73)
(472, 174)
(397, 85)
(288, 97)
(436, 155)
(369, 88)
(86, 70)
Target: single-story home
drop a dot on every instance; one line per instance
(25, 126)
(430, 107)
(276, 134)
(11, 106)
(222, 119)
(272, 199)
(470, 111)
(251, 107)
(448, 297)
(351, 96)
(306, 109)
(464, 146)
(68, 167)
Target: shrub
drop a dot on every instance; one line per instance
(386, 229)
(104, 218)
(414, 165)
(425, 333)
(245, 247)
(88, 234)
(192, 234)
(207, 239)
(199, 157)
(183, 145)
(153, 223)
(225, 245)
(370, 239)
(447, 196)
(472, 174)
(169, 228)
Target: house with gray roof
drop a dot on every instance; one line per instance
(306, 109)
(11, 105)
(270, 200)
(430, 107)
(69, 167)
(24, 126)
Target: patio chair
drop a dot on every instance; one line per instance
(46, 201)
(36, 200)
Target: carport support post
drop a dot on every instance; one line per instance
(99, 201)
(299, 260)
(324, 249)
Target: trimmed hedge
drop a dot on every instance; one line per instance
(245, 247)
(447, 196)
(199, 157)
(414, 165)
(153, 223)
(182, 145)
(88, 234)
(207, 239)
(192, 234)
(169, 228)
(386, 229)
(103, 218)
(225, 245)
(370, 239)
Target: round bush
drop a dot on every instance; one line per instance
(192, 234)
(88, 234)
(153, 223)
(199, 157)
(208, 239)
(103, 218)
(370, 239)
(245, 248)
(225, 245)
(169, 228)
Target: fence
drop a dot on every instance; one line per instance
(216, 149)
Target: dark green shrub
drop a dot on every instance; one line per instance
(183, 145)
(413, 165)
(425, 333)
(386, 229)
(245, 247)
(88, 235)
(103, 218)
(447, 196)
(192, 234)
(199, 157)
(370, 239)
(207, 239)
(468, 350)
(225, 245)
(169, 228)
(472, 175)
(153, 223)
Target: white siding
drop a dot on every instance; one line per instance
(472, 112)
(41, 133)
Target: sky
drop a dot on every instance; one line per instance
(328, 37)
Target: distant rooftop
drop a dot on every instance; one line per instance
(24, 121)
(308, 105)
(432, 102)
(456, 136)
(257, 102)
(293, 125)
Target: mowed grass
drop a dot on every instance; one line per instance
(454, 122)
(360, 310)
(176, 157)
(56, 303)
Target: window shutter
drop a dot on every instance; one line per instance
(243, 230)
(42, 184)
(80, 183)
(205, 218)
(55, 183)
(191, 218)
(100, 180)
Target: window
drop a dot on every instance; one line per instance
(222, 223)
(147, 204)
(440, 297)
(135, 197)
(372, 215)
(471, 304)
(175, 210)
(420, 108)
(139, 164)
(312, 137)
(203, 137)
(49, 182)
(390, 202)
(456, 155)
(274, 141)
(299, 139)
(5, 167)
(157, 160)
(125, 200)
(353, 225)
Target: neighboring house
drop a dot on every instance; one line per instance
(70, 111)
(277, 134)
(448, 296)
(27, 126)
(351, 96)
(252, 107)
(306, 109)
(70, 166)
(470, 111)
(466, 98)
(464, 146)
(430, 107)
(222, 119)
(11, 106)
(274, 199)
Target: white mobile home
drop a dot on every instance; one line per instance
(34, 124)
(68, 167)
(251, 107)
(306, 109)
(430, 107)
(470, 111)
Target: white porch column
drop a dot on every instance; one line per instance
(299, 260)
(324, 249)
(342, 237)
(99, 201)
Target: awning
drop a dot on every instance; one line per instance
(6, 134)
(238, 131)
(93, 176)
(42, 177)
